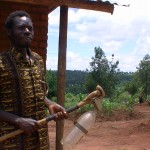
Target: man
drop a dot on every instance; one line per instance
(23, 88)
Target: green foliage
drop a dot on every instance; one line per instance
(128, 82)
(124, 77)
(143, 74)
(72, 100)
(103, 72)
(122, 101)
(54, 99)
(130, 104)
(109, 107)
(75, 88)
(148, 98)
(75, 84)
(51, 80)
(75, 81)
(131, 87)
(75, 77)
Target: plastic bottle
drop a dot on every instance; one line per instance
(80, 128)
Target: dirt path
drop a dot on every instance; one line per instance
(114, 133)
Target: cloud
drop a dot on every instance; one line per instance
(51, 63)
(74, 62)
(126, 33)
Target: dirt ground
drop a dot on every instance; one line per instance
(117, 132)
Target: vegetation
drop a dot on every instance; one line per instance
(51, 79)
(121, 101)
(102, 72)
(123, 89)
(75, 81)
(143, 74)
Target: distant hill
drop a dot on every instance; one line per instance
(75, 77)
(75, 80)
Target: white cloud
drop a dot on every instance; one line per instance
(54, 17)
(51, 63)
(75, 62)
(113, 33)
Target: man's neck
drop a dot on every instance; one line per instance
(24, 51)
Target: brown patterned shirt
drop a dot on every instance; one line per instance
(22, 92)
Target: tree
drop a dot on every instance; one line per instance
(131, 87)
(102, 72)
(143, 73)
(51, 80)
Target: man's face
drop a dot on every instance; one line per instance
(22, 32)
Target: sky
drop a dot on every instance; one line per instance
(125, 33)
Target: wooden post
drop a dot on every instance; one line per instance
(61, 71)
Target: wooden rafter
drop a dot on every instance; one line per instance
(81, 4)
(90, 5)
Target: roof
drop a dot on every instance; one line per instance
(98, 5)
(104, 6)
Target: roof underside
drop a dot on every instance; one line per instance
(81, 4)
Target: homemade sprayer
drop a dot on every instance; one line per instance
(81, 126)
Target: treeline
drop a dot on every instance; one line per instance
(105, 73)
(76, 81)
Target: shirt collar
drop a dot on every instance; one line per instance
(19, 56)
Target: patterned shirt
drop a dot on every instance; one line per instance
(22, 92)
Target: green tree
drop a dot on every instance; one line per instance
(125, 77)
(143, 73)
(51, 80)
(102, 72)
(131, 87)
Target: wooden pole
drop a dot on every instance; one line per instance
(61, 71)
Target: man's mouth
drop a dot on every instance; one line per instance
(27, 37)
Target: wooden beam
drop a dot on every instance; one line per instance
(90, 5)
(81, 4)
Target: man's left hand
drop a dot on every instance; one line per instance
(58, 110)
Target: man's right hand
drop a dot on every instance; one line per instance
(28, 125)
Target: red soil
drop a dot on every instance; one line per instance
(116, 132)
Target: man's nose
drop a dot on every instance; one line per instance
(27, 30)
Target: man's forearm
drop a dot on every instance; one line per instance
(8, 117)
(48, 102)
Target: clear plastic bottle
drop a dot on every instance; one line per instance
(80, 128)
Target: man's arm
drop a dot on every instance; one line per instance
(55, 108)
(8, 117)
(26, 124)
(48, 102)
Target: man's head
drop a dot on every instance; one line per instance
(20, 29)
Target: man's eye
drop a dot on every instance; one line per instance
(20, 28)
(30, 28)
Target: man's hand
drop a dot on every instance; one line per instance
(58, 110)
(28, 125)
